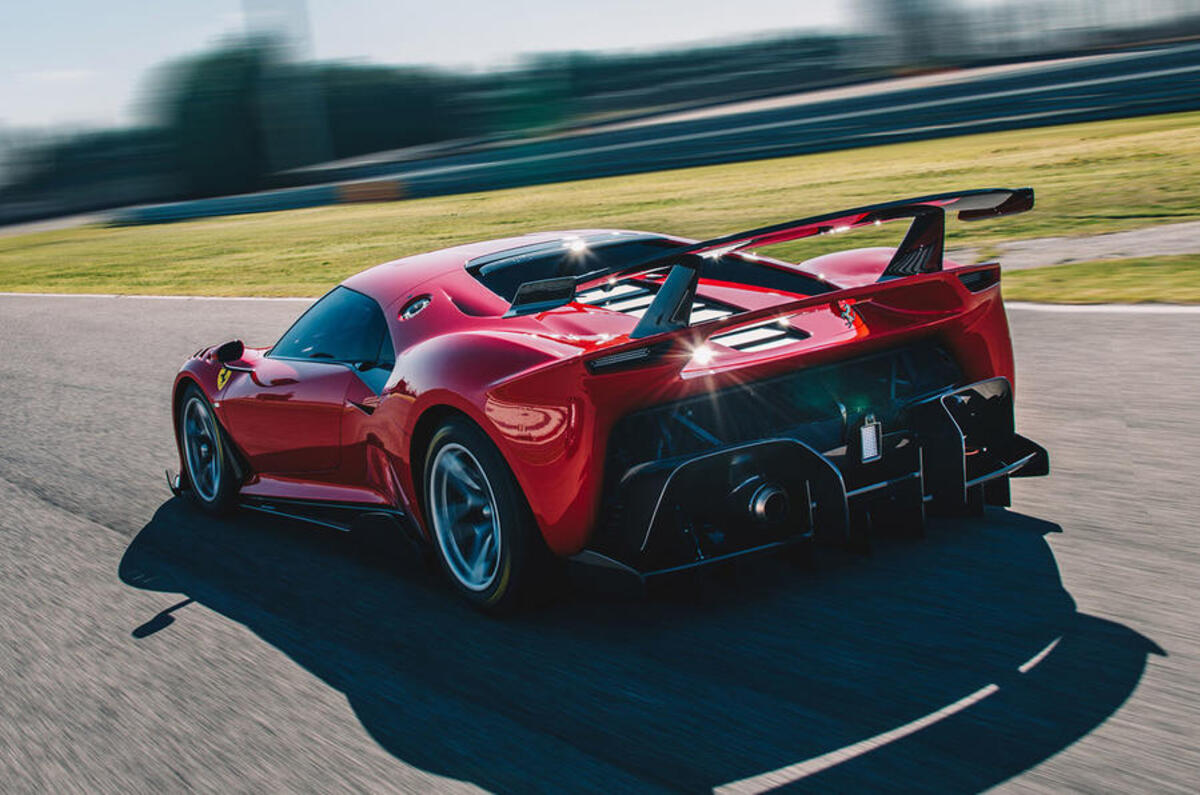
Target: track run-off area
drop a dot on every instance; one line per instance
(145, 647)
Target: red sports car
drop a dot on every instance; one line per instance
(636, 401)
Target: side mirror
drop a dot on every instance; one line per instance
(230, 351)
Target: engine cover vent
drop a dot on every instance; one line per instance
(762, 337)
(634, 300)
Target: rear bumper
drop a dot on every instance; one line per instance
(957, 451)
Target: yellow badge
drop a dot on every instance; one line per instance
(223, 377)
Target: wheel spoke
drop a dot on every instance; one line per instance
(464, 476)
(463, 509)
(483, 556)
(201, 456)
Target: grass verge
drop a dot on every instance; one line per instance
(1174, 280)
(1090, 178)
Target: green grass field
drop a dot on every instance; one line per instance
(1090, 178)
(1174, 280)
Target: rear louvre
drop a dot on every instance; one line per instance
(634, 299)
(762, 337)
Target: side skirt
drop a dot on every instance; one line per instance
(335, 515)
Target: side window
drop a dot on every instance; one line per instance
(344, 326)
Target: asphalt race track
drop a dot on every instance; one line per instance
(145, 648)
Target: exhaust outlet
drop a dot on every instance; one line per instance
(769, 503)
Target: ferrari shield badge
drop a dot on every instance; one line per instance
(223, 377)
(847, 313)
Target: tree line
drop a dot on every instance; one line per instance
(232, 119)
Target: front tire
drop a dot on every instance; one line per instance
(212, 483)
(484, 536)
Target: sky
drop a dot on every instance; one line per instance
(82, 63)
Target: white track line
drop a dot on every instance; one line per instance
(793, 773)
(796, 772)
(1028, 665)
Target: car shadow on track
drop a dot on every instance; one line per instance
(763, 668)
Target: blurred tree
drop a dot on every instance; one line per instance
(240, 113)
(211, 108)
(87, 171)
(372, 108)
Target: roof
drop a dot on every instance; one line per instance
(396, 279)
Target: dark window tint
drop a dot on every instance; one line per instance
(504, 272)
(344, 326)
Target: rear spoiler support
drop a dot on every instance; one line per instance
(923, 247)
(672, 307)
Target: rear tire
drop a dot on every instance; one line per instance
(211, 480)
(483, 533)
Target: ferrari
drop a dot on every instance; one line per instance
(640, 402)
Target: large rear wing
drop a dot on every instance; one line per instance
(921, 251)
